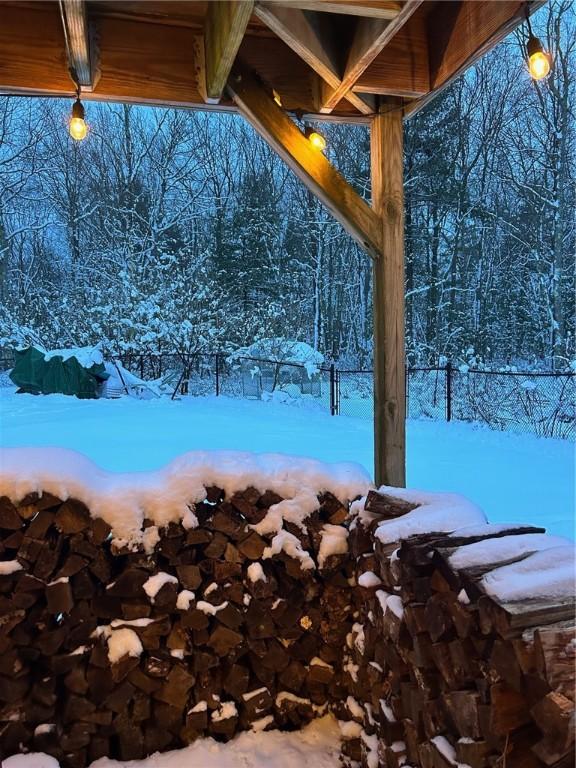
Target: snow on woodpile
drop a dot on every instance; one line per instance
(125, 500)
(191, 632)
(549, 573)
(525, 562)
(274, 610)
(465, 635)
(424, 513)
(500, 549)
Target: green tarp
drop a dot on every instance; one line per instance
(33, 374)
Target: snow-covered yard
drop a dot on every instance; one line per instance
(514, 478)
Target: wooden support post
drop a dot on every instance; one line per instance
(388, 299)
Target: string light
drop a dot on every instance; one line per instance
(77, 126)
(539, 60)
(316, 139)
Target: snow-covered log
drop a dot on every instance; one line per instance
(138, 613)
(464, 654)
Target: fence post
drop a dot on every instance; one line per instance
(217, 374)
(448, 391)
(332, 390)
(407, 389)
(337, 389)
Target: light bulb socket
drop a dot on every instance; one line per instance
(534, 46)
(78, 109)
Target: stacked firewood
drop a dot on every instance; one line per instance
(439, 673)
(206, 631)
(123, 651)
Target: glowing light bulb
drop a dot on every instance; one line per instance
(77, 126)
(538, 59)
(317, 140)
(539, 65)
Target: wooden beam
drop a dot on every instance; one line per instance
(82, 53)
(199, 54)
(33, 62)
(32, 55)
(369, 39)
(150, 61)
(388, 300)
(375, 9)
(280, 68)
(226, 22)
(308, 35)
(309, 164)
(163, 53)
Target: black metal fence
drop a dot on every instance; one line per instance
(539, 403)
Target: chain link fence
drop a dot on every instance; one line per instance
(543, 404)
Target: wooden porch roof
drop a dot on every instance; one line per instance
(328, 58)
(368, 60)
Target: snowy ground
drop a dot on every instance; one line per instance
(318, 745)
(514, 478)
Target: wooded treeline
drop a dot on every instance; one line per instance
(181, 231)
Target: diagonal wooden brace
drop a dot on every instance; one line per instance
(308, 163)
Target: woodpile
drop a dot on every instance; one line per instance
(121, 653)
(440, 673)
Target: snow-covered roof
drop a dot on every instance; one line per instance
(86, 356)
(283, 350)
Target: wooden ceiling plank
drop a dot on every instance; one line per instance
(401, 69)
(302, 32)
(376, 9)
(309, 164)
(153, 63)
(461, 33)
(82, 54)
(33, 62)
(369, 39)
(225, 25)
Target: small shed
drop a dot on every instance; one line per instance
(371, 61)
(79, 372)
